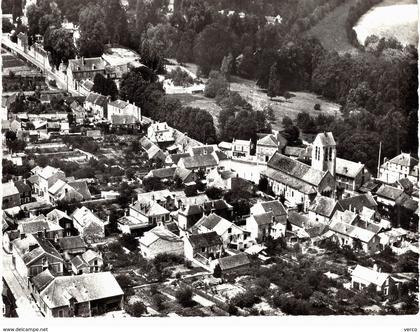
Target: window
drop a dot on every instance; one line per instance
(229, 230)
(325, 154)
(203, 249)
(330, 154)
(60, 313)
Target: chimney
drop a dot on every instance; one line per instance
(375, 267)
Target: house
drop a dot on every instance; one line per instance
(152, 150)
(160, 240)
(46, 178)
(61, 218)
(32, 254)
(269, 145)
(388, 195)
(241, 148)
(234, 263)
(148, 211)
(297, 182)
(89, 226)
(220, 178)
(399, 167)
(205, 162)
(10, 195)
(82, 69)
(278, 212)
(260, 226)
(203, 247)
(164, 198)
(354, 237)
(82, 295)
(349, 175)
(172, 173)
(61, 191)
(232, 235)
(160, 132)
(172, 159)
(72, 245)
(358, 202)
(405, 184)
(88, 262)
(298, 227)
(362, 277)
(298, 152)
(119, 110)
(322, 209)
(42, 227)
(96, 105)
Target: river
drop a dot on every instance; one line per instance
(390, 18)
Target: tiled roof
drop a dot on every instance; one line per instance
(119, 103)
(202, 150)
(82, 188)
(292, 182)
(71, 242)
(405, 159)
(199, 161)
(216, 205)
(90, 254)
(268, 140)
(78, 262)
(9, 189)
(83, 288)
(263, 218)
(163, 173)
(212, 222)
(274, 206)
(86, 64)
(83, 216)
(347, 217)
(97, 99)
(298, 220)
(323, 206)
(148, 207)
(157, 233)
(42, 280)
(358, 202)
(295, 169)
(351, 231)
(33, 227)
(235, 261)
(22, 187)
(175, 157)
(389, 192)
(205, 240)
(348, 168)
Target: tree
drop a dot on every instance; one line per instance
(137, 309)
(209, 58)
(152, 184)
(93, 32)
(217, 273)
(274, 84)
(151, 57)
(59, 42)
(263, 184)
(129, 241)
(184, 296)
(216, 85)
(105, 86)
(227, 66)
(115, 20)
(214, 193)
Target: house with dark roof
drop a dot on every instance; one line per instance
(61, 218)
(350, 175)
(173, 159)
(84, 295)
(72, 245)
(234, 263)
(388, 195)
(84, 68)
(203, 248)
(358, 202)
(88, 262)
(89, 226)
(322, 209)
(160, 240)
(277, 226)
(33, 254)
(96, 105)
(152, 150)
(42, 227)
(405, 184)
(297, 182)
(402, 166)
(171, 173)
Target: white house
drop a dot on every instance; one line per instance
(401, 166)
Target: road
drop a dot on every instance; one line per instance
(26, 306)
(61, 82)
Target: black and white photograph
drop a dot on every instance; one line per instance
(199, 162)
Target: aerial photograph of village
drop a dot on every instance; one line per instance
(209, 158)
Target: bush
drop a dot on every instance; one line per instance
(246, 300)
(180, 77)
(317, 107)
(137, 309)
(125, 283)
(232, 310)
(216, 85)
(184, 296)
(214, 193)
(129, 241)
(158, 300)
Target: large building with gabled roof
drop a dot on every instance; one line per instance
(402, 166)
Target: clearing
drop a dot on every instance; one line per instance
(331, 32)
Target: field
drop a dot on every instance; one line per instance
(299, 102)
(331, 32)
(10, 61)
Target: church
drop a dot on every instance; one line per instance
(299, 183)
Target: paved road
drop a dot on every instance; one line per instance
(26, 306)
(61, 83)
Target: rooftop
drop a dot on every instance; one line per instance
(348, 168)
(159, 232)
(86, 64)
(205, 240)
(235, 261)
(370, 275)
(323, 206)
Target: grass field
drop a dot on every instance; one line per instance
(300, 102)
(331, 31)
(10, 61)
